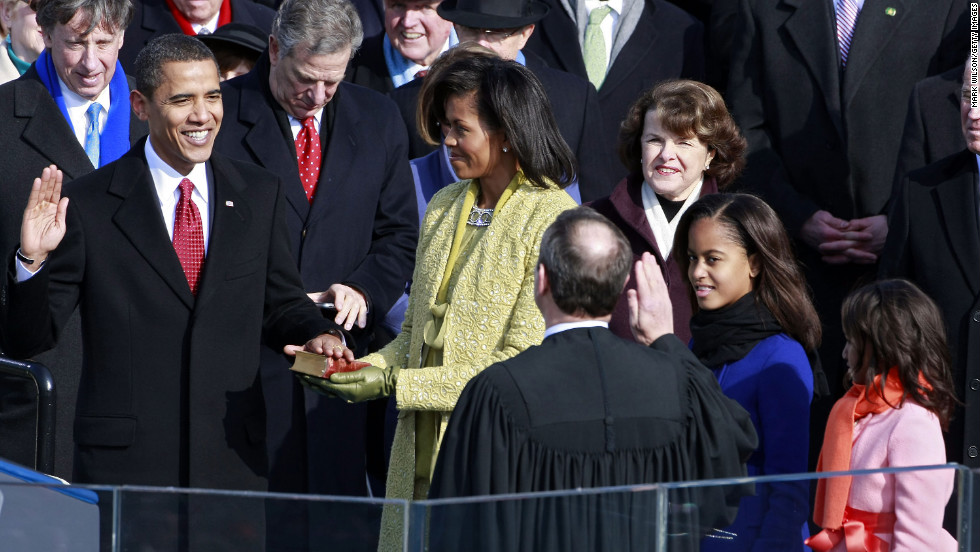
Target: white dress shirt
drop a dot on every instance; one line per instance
(296, 125)
(211, 25)
(166, 181)
(77, 106)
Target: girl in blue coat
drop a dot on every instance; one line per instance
(756, 328)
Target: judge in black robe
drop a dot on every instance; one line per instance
(587, 409)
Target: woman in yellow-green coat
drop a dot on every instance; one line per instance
(472, 298)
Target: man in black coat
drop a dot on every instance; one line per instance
(352, 227)
(824, 131)
(42, 122)
(170, 389)
(587, 409)
(651, 41)
(932, 125)
(505, 27)
(934, 241)
(153, 18)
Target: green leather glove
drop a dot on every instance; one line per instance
(370, 382)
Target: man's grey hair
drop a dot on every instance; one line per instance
(115, 14)
(320, 26)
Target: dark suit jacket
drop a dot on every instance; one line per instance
(822, 139)
(152, 18)
(667, 43)
(573, 102)
(932, 125)
(34, 134)
(170, 391)
(934, 240)
(819, 139)
(368, 67)
(361, 229)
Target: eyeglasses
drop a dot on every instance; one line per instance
(490, 35)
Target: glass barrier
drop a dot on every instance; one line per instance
(770, 513)
(762, 513)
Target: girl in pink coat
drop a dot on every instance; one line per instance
(892, 416)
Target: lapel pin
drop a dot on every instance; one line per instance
(229, 203)
(890, 11)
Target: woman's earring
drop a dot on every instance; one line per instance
(505, 149)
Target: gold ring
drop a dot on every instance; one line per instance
(341, 347)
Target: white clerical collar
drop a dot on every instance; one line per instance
(558, 328)
(166, 179)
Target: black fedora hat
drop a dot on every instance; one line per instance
(239, 34)
(492, 14)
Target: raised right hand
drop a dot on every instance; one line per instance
(43, 226)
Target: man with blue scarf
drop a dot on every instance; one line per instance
(70, 109)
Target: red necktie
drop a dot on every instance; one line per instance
(308, 156)
(421, 73)
(189, 235)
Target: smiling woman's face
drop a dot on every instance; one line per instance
(474, 151)
(672, 164)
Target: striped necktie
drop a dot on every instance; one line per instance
(847, 14)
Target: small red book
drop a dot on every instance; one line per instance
(322, 366)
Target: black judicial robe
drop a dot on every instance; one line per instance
(587, 409)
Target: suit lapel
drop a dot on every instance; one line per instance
(264, 140)
(231, 219)
(637, 50)
(47, 131)
(957, 197)
(872, 34)
(339, 155)
(138, 218)
(812, 29)
(561, 36)
(156, 16)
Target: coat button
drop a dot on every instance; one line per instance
(975, 384)
(976, 316)
(972, 451)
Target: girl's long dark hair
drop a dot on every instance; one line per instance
(780, 284)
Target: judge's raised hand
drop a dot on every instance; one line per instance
(651, 314)
(43, 226)
(351, 305)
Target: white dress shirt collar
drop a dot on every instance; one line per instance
(295, 124)
(166, 182)
(211, 25)
(564, 326)
(77, 106)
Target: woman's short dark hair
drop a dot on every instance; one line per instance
(893, 323)
(780, 286)
(686, 108)
(509, 98)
